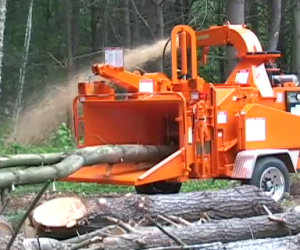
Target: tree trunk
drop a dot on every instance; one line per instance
(222, 230)
(72, 15)
(235, 15)
(2, 26)
(239, 202)
(296, 47)
(135, 30)
(288, 242)
(104, 32)
(27, 39)
(127, 24)
(244, 201)
(109, 154)
(159, 26)
(274, 24)
(94, 30)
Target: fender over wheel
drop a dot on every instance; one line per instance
(271, 175)
(159, 187)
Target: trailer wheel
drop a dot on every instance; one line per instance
(159, 187)
(271, 175)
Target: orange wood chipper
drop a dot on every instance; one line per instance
(246, 128)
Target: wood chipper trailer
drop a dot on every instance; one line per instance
(246, 128)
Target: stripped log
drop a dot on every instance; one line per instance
(216, 231)
(16, 174)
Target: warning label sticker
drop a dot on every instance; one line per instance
(255, 129)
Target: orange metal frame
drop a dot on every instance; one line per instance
(207, 122)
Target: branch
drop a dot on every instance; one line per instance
(56, 60)
(142, 19)
(114, 31)
(32, 205)
(170, 235)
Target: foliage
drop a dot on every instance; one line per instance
(60, 140)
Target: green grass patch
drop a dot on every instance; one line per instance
(94, 188)
(202, 185)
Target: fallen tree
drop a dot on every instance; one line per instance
(30, 169)
(223, 234)
(287, 243)
(243, 201)
(216, 231)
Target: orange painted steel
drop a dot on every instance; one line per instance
(209, 123)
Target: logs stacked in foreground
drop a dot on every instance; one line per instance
(203, 220)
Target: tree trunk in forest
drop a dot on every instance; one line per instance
(94, 30)
(244, 201)
(127, 25)
(274, 24)
(143, 20)
(69, 38)
(135, 30)
(159, 26)
(283, 38)
(235, 15)
(2, 26)
(221, 230)
(72, 15)
(104, 32)
(252, 14)
(18, 104)
(296, 47)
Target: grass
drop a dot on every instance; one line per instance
(85, 189)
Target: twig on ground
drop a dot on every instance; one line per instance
(179, 220)
(167, 220)
(170, 235)
(121, 223)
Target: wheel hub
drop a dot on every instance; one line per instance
(273, 183)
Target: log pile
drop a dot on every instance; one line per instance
(198, 220)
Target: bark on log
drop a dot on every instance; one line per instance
(30, 159)
(17, 245)
(223, 230)
(72, 162)
(243, 201)
(295, 187)
(5, 227)
(287, 243)
(44, 243)
(41, 174)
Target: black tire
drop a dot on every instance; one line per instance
(271, 175)
(159, 187)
